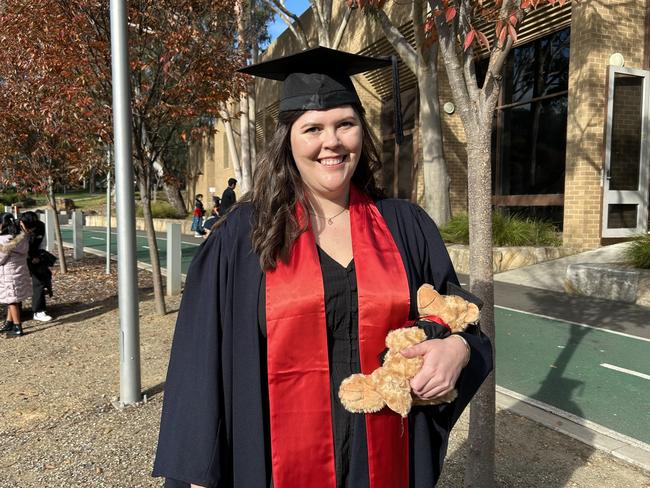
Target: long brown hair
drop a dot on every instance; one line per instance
(277, 188)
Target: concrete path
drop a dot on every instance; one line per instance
(550, 275)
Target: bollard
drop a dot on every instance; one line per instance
(77, 235)
(50, 222)
(173, 259)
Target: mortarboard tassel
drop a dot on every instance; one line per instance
(397, 109)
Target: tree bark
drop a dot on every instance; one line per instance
(232, 147)
(63, 266)
(174, 196)
(159, 298)
(422, 61)
(479, 470)
(434, 166)
(245, 150)
(252, 117)
(244, 129)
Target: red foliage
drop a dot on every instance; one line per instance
(49, 123)
(480, 11)
(55, 97)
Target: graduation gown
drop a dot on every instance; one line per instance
(214, 426)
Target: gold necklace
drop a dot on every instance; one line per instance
(329, 220)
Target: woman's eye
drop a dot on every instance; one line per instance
(347, 123)
(311, 130)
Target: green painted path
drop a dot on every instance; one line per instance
(569, 366)
(595, 374)
(96, 239)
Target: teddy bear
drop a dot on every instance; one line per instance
(389, 384)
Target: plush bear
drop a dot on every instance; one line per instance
(389, 384)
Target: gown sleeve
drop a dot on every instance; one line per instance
(192, 445)
(439, 268)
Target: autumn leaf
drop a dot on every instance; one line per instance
(483, 40)
(469, 38)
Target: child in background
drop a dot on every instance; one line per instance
(15, 282)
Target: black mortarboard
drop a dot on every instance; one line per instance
(317, 78)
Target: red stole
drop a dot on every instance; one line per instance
(302, 447)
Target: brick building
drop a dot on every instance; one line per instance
(572, 130)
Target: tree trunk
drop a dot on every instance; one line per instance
(245, 151)
(159, 298)
(232, 147)
(63, 266)
(480, 463)
(436, 178)
(244, 129)
(251, 124)
(174, 196)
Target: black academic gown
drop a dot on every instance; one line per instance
(214, 423)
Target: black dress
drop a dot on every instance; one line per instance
(341, 314)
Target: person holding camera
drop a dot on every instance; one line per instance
(39, 262)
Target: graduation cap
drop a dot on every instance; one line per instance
(317, 78)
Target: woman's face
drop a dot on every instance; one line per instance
(326, 146)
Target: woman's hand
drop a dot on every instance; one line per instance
(443, 361)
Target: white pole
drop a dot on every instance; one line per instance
(108, 218)
(77, 235)
(173, 259)
(130, 383)
(50, 222)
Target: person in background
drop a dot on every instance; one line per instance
(228, 198)
(38, 267)
(197, 216)
(210, 221)
(15, 285)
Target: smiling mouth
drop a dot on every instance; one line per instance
(332, 161)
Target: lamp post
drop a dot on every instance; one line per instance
(130, 384)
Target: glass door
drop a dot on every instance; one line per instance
(625, 175)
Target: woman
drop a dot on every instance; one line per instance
(38, 267)
(306, 277)
(15, 285)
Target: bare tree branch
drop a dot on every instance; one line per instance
(339, 33)
(464, 25)
(417, 11)
(398, 41)
(292, 21)
(323, 23)
(447, 40)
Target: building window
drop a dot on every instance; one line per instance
(529, 138)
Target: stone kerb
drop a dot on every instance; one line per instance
(507, 258)
(611, 281)
(160, 225)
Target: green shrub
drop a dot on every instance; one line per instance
(161, 210)
(8, 198)
(457, 230)
(27, 202)
(507, 230)
(638, 252)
